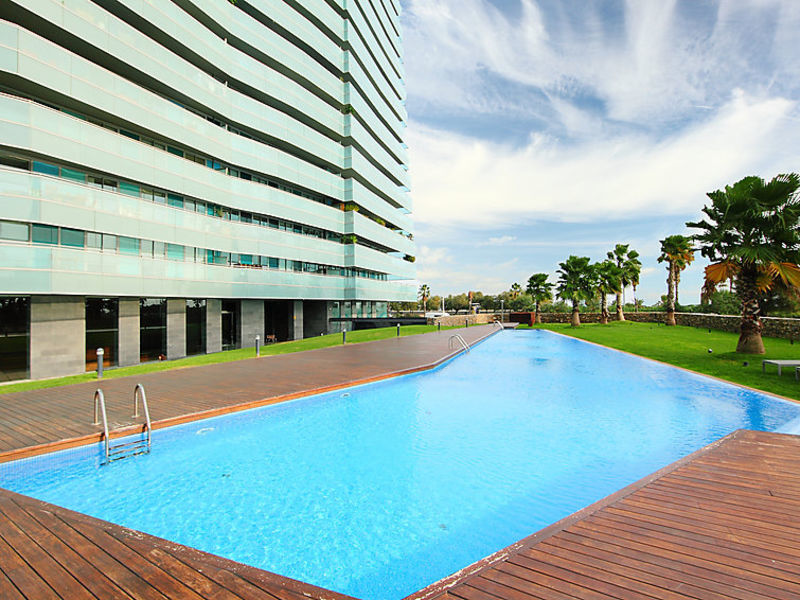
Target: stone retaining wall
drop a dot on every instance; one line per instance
(779, 327)
(462, 320)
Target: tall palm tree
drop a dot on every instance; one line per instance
(516, 290)
(576, 283)
(540, 290)
(423, 294)
(628, 261)
(752, 236)
(678, 253)
(608, 280)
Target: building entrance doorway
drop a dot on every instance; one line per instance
(230, 324)
(277, 320)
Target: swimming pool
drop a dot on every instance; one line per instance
(380, 490)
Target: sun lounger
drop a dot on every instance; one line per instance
(780, 364)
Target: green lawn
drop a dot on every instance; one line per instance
(323, 341)
(688, 347)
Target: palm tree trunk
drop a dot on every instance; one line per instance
(670, 295)
(576, 318)
(603, 309)
(677, 284)
(635, 304)
(750, 341)
(620, 302)
(536, 317)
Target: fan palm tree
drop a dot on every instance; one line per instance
(576, 283)
(628, 261)
(752, 236)
(516, 290)
(608, 280)
(423, 294)
(678, 253)
(540, 290)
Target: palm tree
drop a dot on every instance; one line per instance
(608, 279)
(516, 290)
(540, 290)
(677, 252)
(752, 236)
(575, 283)
(424, 293)
(628, 261)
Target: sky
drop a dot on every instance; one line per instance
(543, 128)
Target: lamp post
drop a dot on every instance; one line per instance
(100, 353)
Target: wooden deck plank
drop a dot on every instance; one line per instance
(722, 523)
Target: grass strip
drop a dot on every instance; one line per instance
(688, 347)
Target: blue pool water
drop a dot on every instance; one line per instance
(382, 489)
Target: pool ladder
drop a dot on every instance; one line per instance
(460, 340)
(119, 451)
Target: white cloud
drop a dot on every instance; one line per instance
(642, 61)
(498, 241)
(488, 184)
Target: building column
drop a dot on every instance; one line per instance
(129, 332)
(58, 336)
(176, 328)
(251, 322)
(213, 325)
(315, 318)
(296, 320)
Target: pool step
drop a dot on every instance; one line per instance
(120, 451)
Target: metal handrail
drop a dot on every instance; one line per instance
(459, 339)
(499, 324)
(138, 392)
(100, 407)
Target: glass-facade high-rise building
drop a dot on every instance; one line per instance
(179, 176)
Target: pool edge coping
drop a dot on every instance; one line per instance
(85, 440)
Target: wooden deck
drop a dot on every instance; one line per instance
(721, 523)
(44, 420)
(49, 553)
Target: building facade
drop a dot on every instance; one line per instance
(180, 176)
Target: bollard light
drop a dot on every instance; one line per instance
(439, 325)
(100, 353)
(344, 336)
(398, 330)
(258, 345)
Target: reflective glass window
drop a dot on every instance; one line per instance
(14, 231)
(45, 168)
(72, 237)
(45, 234)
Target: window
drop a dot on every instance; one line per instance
(129, 188)
(45, 234)
(175, 151)
(128, 245)
(146, 248)
(245, 259)
(133, 136)
(17, 163)
(159, 197)
(175, 252)
(14, 231)
(273, 263)
(175, 200)
(72, 174)
(109, 242)
(72, 237)
(159, 249)
(94, 240)
(45, 168)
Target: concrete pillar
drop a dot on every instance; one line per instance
(129, 334)
(176, 328)
(58, 336)
(213, 325)
(251, 322)
(296, 324)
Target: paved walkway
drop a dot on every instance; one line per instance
(43, 420)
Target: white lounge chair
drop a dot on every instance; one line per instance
(780, 364)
